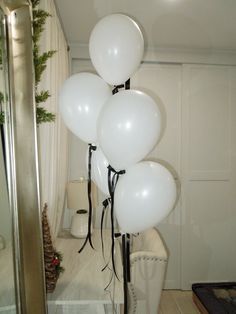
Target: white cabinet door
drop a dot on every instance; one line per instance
(163, 83)
(209, 174)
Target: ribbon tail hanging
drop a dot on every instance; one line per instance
(89, 190)
(126, 268)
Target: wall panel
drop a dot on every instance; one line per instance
(209, 212)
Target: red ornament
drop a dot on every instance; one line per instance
(55, 261)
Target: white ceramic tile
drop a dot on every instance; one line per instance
(81, 308)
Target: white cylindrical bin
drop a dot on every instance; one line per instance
(79, 225)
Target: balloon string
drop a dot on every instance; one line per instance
(88, 237)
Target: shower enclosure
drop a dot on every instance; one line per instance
(21, 263)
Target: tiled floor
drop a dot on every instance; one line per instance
(177, 302)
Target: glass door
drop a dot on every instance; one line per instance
(7, 286)
(22, 287)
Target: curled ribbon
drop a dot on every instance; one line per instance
(88, 237)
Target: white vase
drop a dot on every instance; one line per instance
(79, 224)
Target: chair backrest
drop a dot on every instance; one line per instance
(149, 241)
(148, 265)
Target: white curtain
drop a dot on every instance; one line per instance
(53, 137)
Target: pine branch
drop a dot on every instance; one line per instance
(39, 20)
(35, 3)
(42, 96)
(40, 63)
(42, 115)
(59, 270)
(40, 15)
(2, 117)
(1, 97)
(59, 255)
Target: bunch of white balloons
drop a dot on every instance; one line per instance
(125, 126)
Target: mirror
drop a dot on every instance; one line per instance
(7, 290)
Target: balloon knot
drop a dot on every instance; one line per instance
(92, 147)
(116, 172)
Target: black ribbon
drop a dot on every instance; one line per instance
(88, 237)
(117, 87)
(127, 84)
(105, 204)
(113, 177)
(126, 267)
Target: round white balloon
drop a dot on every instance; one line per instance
(99, 171)
(81, 99)
(116, 48)
(144, 196)
(129, 127)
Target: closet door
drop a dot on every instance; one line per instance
(163, 83)
(209, 174)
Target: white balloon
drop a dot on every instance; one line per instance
(129, 126)
(99, 171)
(81, 99)
(116, 48)
(144, 196)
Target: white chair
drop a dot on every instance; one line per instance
(148, 261)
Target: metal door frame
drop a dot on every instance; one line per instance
(22, 160)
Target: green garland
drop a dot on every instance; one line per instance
(40, 64)
(40, 60)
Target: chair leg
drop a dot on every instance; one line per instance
(121, 309)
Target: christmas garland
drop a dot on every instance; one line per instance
(40, 60)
